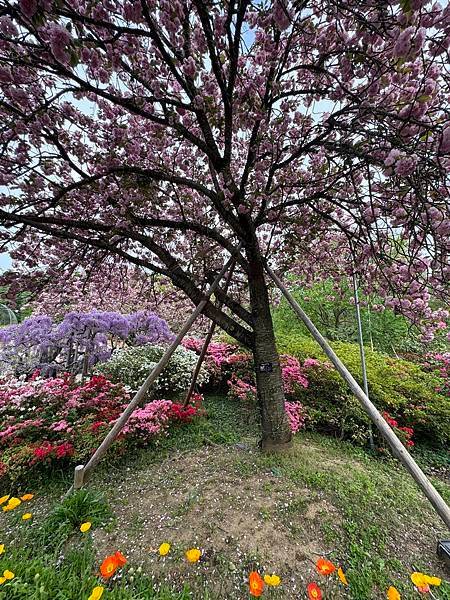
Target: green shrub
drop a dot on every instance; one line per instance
(397, 386)
(131, 366)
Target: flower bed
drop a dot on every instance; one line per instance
(106, 575)
(48, 421)
(79, 341)
(439, 363)
(416, 396)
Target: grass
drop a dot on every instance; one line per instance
(67, 516)
(379, 506)
(39, 578)
(207, 485)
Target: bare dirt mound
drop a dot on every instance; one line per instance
(217, 500)
(248, 511)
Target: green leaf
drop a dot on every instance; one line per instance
(405, 5)
(74, 58)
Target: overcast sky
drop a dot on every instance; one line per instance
(5, 261)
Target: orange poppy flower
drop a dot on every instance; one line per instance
(314, 592)
(121, 560)
(325, 567)
(256, 583)
(393, 594)
(109, 566)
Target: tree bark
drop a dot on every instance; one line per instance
(276, 432)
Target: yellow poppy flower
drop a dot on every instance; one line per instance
(2, 580)
(26, 516)
(342, 576)
(12, 503)
(2, 548)
(8, 575)
(193, 555)
(3, 499)
(26, 497)
(418, 579)
(272, 580)
(85, 527)
(97, 593)
(393, 594)
(432, 580)
(164, 549)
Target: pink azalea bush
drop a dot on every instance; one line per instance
(54, 421)
(227, 362)
(292, 374)
(218, 355)
(296, 415)
(150, 420)
(440, 364)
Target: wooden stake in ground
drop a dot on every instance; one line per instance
(398, 449)
(84, 473)
(78, 477)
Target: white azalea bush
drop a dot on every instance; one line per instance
(132, 365)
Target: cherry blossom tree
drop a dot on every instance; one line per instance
(166, 133)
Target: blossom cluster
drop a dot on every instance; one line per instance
(131, 366)
(404, 433)
(440, 363)
(218, 354)
(154, 418)
(296, 415)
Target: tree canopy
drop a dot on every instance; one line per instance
(163, 133)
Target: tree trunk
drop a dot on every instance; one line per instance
(276, 432)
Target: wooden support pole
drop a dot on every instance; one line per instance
(78, 477)
(207, 341)
(198, 366)
(398, 449)
(153, 376)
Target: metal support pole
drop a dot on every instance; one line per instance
(439, 504)
(361, 350)
(153, 376)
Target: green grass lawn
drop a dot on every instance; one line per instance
(208, 486)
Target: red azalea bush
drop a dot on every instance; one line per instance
(404, 433)
(54, 421)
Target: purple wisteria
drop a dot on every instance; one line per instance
(79, 341)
